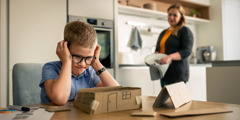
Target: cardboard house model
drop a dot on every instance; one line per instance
(107, 99)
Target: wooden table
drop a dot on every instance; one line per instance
(147, 103)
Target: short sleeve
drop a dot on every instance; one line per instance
(49, 71)
(95, 78)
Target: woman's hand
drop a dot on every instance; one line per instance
(165, 60)
(63, 52)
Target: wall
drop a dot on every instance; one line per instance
(35, 28)
(231, 28)
(211, 33)
(3, 53)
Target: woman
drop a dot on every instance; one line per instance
(176, 42)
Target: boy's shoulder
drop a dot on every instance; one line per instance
(57, 64)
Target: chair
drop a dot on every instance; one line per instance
(26, 78)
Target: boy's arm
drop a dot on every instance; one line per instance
(59, 90)
(106, 77)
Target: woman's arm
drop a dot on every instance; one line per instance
(186, 42)
(186, 47)
(169, 58)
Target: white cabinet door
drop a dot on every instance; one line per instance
(223, 84)
(139, 77)
(35, 27)
(92, 8)
(197, 83)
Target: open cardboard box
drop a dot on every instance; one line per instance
(107, 99)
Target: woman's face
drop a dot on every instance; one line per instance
(174, 17)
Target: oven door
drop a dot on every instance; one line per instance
(104, 37)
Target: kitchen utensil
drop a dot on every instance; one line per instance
(151, 6)
(152, 58)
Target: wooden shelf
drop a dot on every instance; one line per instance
(186, 3)
(122, 9)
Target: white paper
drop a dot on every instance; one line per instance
(39, 114)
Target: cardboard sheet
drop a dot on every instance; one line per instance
(144, 113)
(196, 112)
(57, 109)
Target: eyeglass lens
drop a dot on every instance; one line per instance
(88, 60)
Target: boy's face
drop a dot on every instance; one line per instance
(78, 68)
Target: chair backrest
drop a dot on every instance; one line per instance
(26, 78)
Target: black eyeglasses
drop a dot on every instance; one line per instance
(88, 60)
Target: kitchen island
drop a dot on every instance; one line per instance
(139, 76)
(223, 81)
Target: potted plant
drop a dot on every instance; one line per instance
(194, 13)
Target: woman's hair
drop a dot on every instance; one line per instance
(182, 21)
(80, 33)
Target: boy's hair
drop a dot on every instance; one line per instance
(80, 33)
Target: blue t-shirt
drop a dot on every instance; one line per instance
(51, 70)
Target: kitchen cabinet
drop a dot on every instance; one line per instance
(35, 28)
(223, 84)
(140, 77)
(3, 53)
(103, 9)
(197, 81)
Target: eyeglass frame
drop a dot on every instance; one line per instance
(85, 58)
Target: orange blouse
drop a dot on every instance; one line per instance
(164, 39)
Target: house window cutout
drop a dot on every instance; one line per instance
(126, 95)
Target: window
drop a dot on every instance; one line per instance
(126, 95)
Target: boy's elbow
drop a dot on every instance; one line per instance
(59, 102)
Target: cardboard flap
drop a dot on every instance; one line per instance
(139, 100)
(178, 93)
(57, 109)
(162, 98)
(99, 89)
(196, 112)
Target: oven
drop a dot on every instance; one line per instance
(104, 29)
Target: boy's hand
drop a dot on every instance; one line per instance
(97, 52)
(63, 52)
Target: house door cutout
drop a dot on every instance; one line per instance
(112, 102)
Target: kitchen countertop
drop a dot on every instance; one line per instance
(201, 65)
(143, 66)
(226, 63)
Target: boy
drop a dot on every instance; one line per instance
(79, 66)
